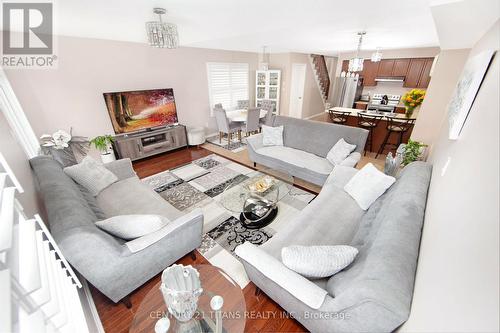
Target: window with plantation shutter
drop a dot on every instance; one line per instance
(227, 83)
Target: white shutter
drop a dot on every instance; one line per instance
(38, 288)
(227, 83)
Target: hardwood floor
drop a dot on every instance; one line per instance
(116, 318)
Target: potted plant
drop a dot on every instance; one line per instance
(412, 151)
(412, 99)
(103, 144)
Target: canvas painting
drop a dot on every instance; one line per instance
(132, 111)
(466, 91)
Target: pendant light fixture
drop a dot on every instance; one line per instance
(162, 34)
(356, 63)
(377, 55)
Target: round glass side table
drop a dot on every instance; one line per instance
(151, 314)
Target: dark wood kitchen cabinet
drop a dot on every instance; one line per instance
(400, 67)
(425, 78)
(369, 73)
(418, 75)
(385, 67)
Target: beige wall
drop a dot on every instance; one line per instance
(71, 96)
(433, 110)
(457, 282)
(18, 162)
(312, 100)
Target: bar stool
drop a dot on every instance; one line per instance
(338, 117)
(395, 125)
(368, 122)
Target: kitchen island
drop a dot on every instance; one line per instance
(380, 131)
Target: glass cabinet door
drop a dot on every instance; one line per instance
(261, 92)
(273, 79)
(261, 79)
(273, 92)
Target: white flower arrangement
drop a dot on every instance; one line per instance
(58, 140)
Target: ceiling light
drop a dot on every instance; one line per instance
(356, 63)
(162, 34)
(377, 55)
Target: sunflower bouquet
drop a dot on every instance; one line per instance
(412, 99)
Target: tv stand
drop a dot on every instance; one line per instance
(151, 142)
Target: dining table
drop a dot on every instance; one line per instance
(240, 115)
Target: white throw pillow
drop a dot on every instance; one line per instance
(91, 174)
(272, 136)
(132, 226)
(367, 185)
(339, 152)
(318, 261)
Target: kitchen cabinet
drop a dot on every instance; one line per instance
(425, 77)
(345, 66)
(414, 72)
(385, 67)
(360, 105)
(369, 73)
(400, 67)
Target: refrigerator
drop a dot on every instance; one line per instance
(347, 90)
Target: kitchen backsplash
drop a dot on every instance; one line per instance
(389, 88)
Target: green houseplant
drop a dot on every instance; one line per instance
(412, 151)
(103, 144)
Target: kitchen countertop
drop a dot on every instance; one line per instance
(354, 112)
(400, 105)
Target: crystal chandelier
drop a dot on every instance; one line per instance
(377, 55)
(356, 63)
(162, 34)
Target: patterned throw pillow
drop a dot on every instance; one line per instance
(272, 136)
(91, 174)
(318, 261)
(339, 152)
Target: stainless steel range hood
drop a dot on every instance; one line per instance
(390, 79)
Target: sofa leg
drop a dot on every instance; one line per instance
(192, 254)
(257, 291)
(127, 302)
(254, 164)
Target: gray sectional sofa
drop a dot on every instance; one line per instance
(305, 146)
(114, 266)
(374, 293)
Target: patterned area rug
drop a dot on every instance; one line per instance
(235, 145)
(200, 185)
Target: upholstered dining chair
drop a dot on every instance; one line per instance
(243, 104)
(226, 126)
(252, 123)
(267, 105)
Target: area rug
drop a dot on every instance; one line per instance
(200, 184)
(235, 145)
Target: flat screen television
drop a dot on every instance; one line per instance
(132, 111)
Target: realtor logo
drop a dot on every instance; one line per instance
(27, 36)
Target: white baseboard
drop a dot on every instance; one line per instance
(315, 115)
(93, 321)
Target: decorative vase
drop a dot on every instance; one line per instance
(409, 111)
(181, 288)
(108, 157)
(392, 164)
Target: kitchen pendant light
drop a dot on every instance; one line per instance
(376, 56)
(356, 63)
(162, 34)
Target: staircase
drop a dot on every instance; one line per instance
(321, 74)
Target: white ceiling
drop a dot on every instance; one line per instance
(309, 26)
(321, 26)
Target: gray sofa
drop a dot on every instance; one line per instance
(305, 146)
(374, 293)
(114, 266)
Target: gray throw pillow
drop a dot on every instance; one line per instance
(91, 175)
(132, 226)
(272, 136)
(318, 261)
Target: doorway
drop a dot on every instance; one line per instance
(297, 90)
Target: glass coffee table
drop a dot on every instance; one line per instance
(256, 198)
(153, 315)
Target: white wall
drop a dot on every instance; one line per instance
(457, 282)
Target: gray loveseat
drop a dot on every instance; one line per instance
(374, 293)
(305, 146)
(114, 266)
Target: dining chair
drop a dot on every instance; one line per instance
(226, 127)
(267, 105)
(252, 123)
(243, 104)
